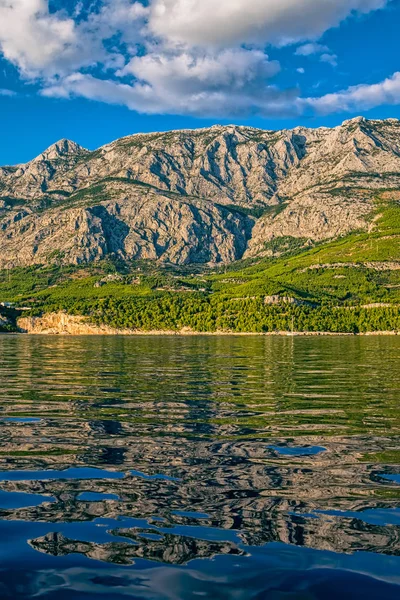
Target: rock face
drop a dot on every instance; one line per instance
(63, 324)
(203, 196)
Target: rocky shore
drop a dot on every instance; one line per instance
(63, 324)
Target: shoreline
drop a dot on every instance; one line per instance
(73, 325)
(164, 333)
(184, 333)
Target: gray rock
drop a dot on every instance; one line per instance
(195, 196)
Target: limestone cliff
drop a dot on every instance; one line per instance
(195, 196)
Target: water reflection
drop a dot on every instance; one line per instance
(225, 467)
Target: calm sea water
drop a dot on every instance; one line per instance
(167, 468)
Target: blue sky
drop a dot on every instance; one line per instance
(96, 70)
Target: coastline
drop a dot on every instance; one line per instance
(71, 325)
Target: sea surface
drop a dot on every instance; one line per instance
(189, 468)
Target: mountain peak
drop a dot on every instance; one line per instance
(169, 196)
(354, 121)
(63, 147)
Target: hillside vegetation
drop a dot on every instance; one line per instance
(351, 284)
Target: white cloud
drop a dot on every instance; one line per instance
(325, 55)
(5, 92)
(229, 22)
(331, 59)
(225, 100)
(43, 43)
(231, 82)
(359, 97)
(301, 70)
(186, 73)
(192, 59)
(125, 17)
(31, 37)
(310, 49)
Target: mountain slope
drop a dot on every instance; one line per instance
(203, 196)
(351, 284)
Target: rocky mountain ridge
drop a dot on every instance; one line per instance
(210, 195)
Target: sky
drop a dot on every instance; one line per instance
(96, 70)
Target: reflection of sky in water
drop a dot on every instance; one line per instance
(394, 477)
(272, 571)
(297, 451)
(22, 499)
(22, 420)
(96, 497)
(178, 468)
(71, 473)
(374, 516)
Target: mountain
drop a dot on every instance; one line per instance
(211, 195)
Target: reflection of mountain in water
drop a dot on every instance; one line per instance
(243, 493)
(344, 535)
(169, 549)
(191, 430)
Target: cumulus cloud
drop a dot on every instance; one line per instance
(186, 73)
(31, 37)
(224, 100)
(231, 82)
(43, 43)
(227, 22)
(197, 57)
(359, 97)
(117, 17)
